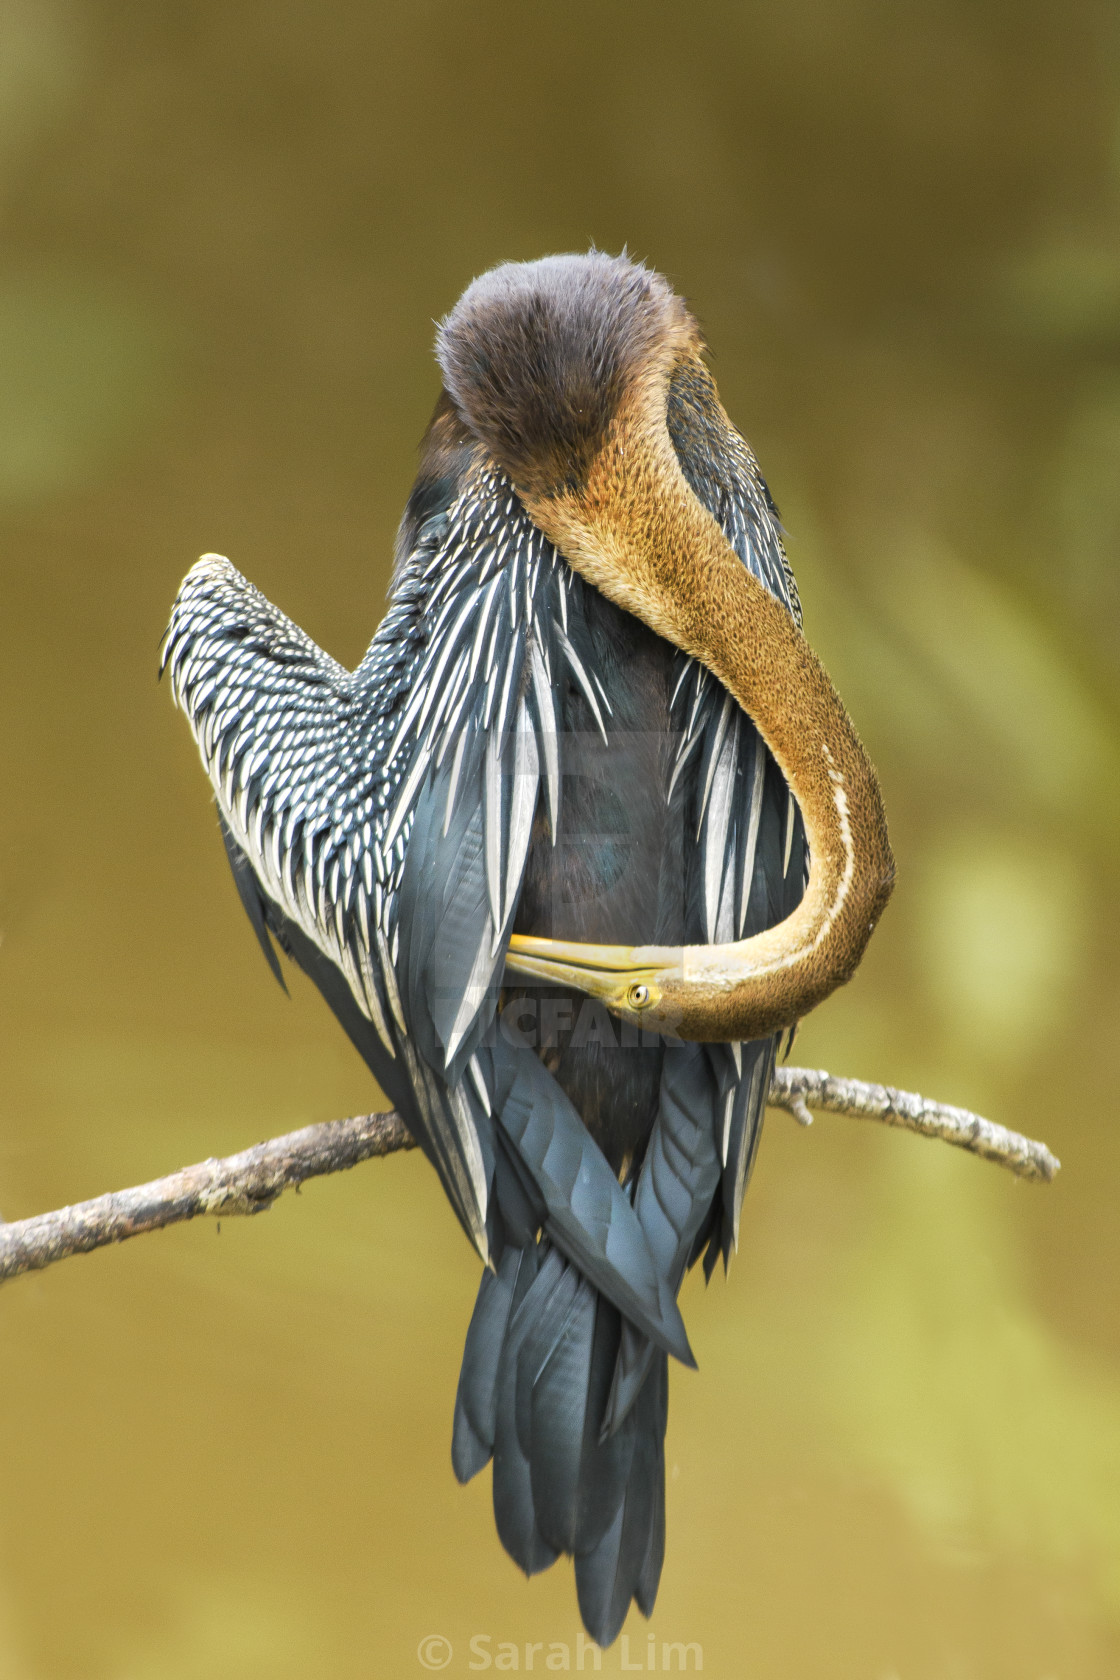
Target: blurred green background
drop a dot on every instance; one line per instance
(226, 231)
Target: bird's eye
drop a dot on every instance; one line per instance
(638, 997)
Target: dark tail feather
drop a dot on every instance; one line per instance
(645, 1595)
(538, 1369)
(476, 1404)
(626, 1562)
(514, 1510)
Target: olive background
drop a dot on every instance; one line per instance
(225, 232)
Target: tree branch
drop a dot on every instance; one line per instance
(798, 1090)
(251, 1181)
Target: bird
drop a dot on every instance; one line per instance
(584, 834)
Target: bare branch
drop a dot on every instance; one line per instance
(798, 1090)
(245, 1183)
(251, 1181)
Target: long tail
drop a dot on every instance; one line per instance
(534, 1392)
(565, 1379)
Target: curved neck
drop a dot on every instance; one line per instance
(634, 529)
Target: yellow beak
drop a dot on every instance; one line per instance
(626, 977)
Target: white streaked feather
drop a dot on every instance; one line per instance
(717, 885)
(428, 688)
(791, 808)
(488, 676)
(453, 781)
(492, 645)
(703, 679)
(309, 878)
(523, 805)
(529, 590)
(602, 693)
(511, 581)
(684, 753)
(275, 867)
(687, 670)
(225, 786)
(728, 1110)
(581, 677)
(403, 806)
(479, 1084)
(484, 609)
(714, 758)
(256, 830)
(546, 714)
(389, 975)
(203, 693)
(473, 1152)
(512, 676)
(373, 1001)
(450, 713)
(754, 818)
(449, 557)
(492, 826)
(474, 995)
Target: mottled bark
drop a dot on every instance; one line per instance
(798, 1090)
(250, 1182)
